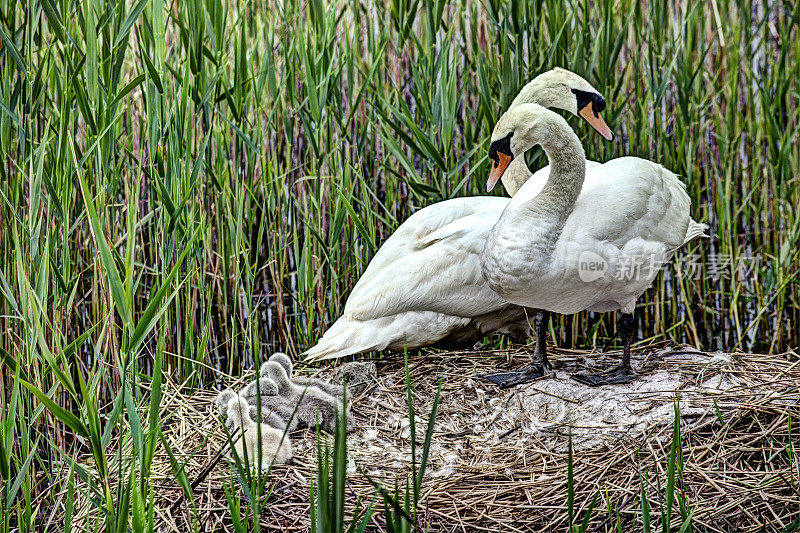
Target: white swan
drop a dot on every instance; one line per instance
(561, 246)
(424, 285)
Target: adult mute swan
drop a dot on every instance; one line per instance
(561, 246)
(424, 286)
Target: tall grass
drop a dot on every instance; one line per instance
(188, 184)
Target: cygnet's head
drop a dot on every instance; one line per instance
(266, 386)
(239, 411)
(284, 360)
(276, 373)
(222, 400)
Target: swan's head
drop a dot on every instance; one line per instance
(519, 129)
(284, 360)
(561, 89)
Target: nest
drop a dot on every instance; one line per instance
(499, 459)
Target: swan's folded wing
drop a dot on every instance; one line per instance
(431, 263)
(641, 200)
(406, 238)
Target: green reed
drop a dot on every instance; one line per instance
(190, 184)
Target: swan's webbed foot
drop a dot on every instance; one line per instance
(619, 375)
(622, 373)
(509, 379)
(540, 366)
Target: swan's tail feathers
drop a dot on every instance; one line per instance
(695, 230)
(407, 330)
(345, 337)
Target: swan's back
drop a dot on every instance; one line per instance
(631, 198)
(431, 263)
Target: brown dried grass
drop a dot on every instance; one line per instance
(740, 476)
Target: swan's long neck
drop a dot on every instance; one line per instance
(241, 415)
(567, 172)
(540, 90)
(531, 226)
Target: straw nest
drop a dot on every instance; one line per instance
(499, 458)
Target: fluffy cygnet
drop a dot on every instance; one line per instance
(277, 409)
(222, 401)
(286, 362)
(223, 398)
(312, 403)
(274, 444)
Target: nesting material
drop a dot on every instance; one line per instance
(260, 444)
(359, 376)
(492, 469)
(551, 408)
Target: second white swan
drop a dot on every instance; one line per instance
(588, 238)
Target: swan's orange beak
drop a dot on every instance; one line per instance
(497, 170)
(596, 121)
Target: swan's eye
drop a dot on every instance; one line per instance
(599, 103)
(501, 146)
(585, 98)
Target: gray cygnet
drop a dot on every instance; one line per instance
(312, 403)
(274, 445)
(278, 409)
(222, 401)
(286, 362)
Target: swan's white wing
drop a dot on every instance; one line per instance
(431, 263)
(631, 213)
(627, 199)
(424, 284)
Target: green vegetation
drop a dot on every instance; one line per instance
(184, 185)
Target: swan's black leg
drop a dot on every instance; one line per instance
(626, 326)
(541, 322)
(622, 373)
(539, 363)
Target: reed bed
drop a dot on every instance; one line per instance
(188, 186)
